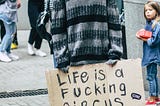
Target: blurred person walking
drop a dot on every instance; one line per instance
(8, 14)
(35, 7)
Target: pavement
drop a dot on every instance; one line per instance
(25, 75)
(28, 73)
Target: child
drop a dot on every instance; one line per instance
(151, 49)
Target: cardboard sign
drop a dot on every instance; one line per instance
(97, 85)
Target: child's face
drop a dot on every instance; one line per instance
(150, 13)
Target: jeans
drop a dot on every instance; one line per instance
(7, 39)
(152, 79)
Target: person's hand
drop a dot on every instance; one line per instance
(64, 69)
(138, 36)
(144, 39)
(111, 62)
(18, 3)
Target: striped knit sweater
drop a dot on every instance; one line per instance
(85, 31)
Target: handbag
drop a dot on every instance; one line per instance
(42, 20)
(41, 25)
(41, 28)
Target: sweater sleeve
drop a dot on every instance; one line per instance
(155, 39)
(59, 33)
(115, 31)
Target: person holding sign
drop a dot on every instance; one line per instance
(151, 48)
(85, 32)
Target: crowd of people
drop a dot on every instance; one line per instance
(8, 21)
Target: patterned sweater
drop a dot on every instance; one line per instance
(85, 31)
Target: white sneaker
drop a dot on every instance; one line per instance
(40, 53)
(4, 57)
(13, 56)
(30, 49)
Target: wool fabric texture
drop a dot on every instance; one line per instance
(85, 31)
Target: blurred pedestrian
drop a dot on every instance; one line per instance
(151, 49)
(34, 9)
(85, 32)
(8, 14)
(14, 44)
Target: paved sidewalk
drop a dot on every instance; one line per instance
(28, 73)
